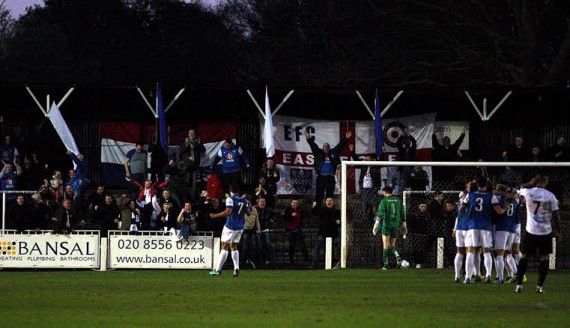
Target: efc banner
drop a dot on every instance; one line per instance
(294, 158)
(118, 138)
(49, 251)
(160, 252)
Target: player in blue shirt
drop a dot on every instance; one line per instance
(505, 232)
(479, 205)
(460, 230)
(236, 208)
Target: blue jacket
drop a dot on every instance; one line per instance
(231, 158)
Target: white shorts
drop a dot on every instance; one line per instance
(517, 239)
(461, 239)
(480, 238)
(503, 240)
(231, 236)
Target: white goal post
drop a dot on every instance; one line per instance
(344, 180)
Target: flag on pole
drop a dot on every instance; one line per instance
(162, 127)
(62, 129)
(268, 129)
(378, 127)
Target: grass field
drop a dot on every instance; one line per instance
(281, 298)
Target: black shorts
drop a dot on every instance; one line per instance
(532, 242)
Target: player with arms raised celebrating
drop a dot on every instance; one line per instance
(236, 208)
(542, 216)
(390, 213)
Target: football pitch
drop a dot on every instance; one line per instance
(278, 298)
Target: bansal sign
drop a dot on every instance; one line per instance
(70, 251)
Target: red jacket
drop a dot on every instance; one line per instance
(214, 187)
(152, 189)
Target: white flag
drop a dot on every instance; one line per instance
(61, 128)
(268, 129)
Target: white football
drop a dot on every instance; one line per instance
(405, 264)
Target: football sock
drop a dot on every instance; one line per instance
(521, 270)
(518, 257)
(235, 258)
(385, 254)
(542, 272)
(458, 264)
(476, 264)
(500, 266)
(488, 263)
(512, 265)
(396, 253)
(469, 260)
(222, 259)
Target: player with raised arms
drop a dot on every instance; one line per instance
(236, 208)
(390, 212)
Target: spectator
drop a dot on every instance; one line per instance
(536, 155)
(418, 235)
(31, 172)
(271, 176)
(251, 233)
(435, 207)
(96, 199)
(176, 172)
(167, 221)
(39, 213)
(167, 198)
(8, 151)
(369, 182)
(407, 146)
(326, 161)
(559, 152)
(148, 201)
(9, 178)
(56, 185)
(518, 152)
(446, 152)
(293, 228)
(213, 185)
(265, 220)
(205, 223)
(18, 215)
(449, 215)
(80, 172)
(63, 219)
(187, 221)
(130, 216)
(158, 161)
(231, 157)
(136, 163)
(329, 221)
(191, 151)
(107, 216)
(418, 179)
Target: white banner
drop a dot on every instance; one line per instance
(160, 252)
(295, 160)
(62, 129)
(73, 251)
(453, 130)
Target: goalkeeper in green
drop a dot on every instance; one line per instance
(390, 212)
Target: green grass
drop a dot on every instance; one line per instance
(339, 298)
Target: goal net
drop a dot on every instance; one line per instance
(429, 242)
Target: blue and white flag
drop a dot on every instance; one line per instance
(162, 127)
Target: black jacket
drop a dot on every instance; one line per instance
(327, 221)
(195, 149)
(319, 154)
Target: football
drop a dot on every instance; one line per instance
(405, 264)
